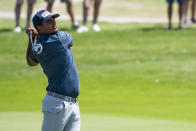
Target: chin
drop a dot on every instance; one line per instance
(55, 30)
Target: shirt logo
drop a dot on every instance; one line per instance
(46, 13)
(37, 48)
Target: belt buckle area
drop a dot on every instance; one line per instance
(67, 98)
(53, 94)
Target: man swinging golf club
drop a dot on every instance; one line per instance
(51, 48)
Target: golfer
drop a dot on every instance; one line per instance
(51, 48)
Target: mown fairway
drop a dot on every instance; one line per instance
(31, 121)
(138, 73)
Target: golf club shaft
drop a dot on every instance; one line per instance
(31, 33)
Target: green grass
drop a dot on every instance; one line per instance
(139, 71)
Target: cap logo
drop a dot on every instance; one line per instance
(46, 13)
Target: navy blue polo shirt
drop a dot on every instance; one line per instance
(58, 64)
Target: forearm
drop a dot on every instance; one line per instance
(30, 62)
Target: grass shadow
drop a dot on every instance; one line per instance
(3, 30)
(152, 29)
(149, 29)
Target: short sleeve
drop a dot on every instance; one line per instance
(70, 40)
(66, 39)
(33, 57)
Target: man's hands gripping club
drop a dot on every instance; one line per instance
(34, 31)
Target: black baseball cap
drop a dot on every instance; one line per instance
(42, 16)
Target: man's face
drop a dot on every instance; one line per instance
(48, 27)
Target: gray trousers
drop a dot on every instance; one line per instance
(60, 115)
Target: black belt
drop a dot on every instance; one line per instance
(67, 98)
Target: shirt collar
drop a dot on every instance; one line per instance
(44, 38)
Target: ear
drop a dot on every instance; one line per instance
(38, 29)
